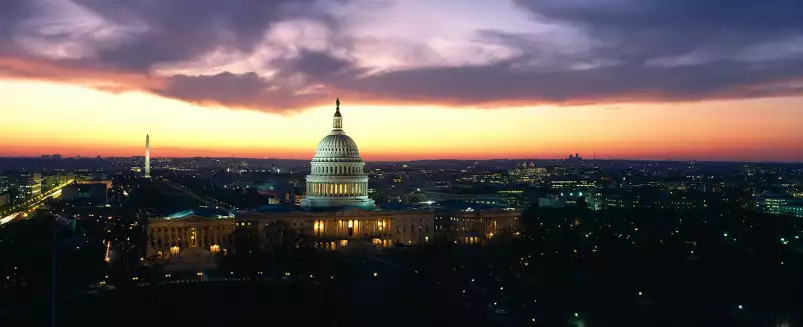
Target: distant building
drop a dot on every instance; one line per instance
(492, 198)
(55, 157)
(552, 202)
(29, 186)
(106, 182)
(576, 157)
(46, 157)
(528, 173)
(562, 199)
(571, 183)
(792, 208)
(5, 198)
(50, 182)
(779, 204)
(4, 184)
(85, 194)
(604, 200)
(771, 203)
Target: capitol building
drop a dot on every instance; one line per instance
(335, 211)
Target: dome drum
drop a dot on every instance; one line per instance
(338, 168)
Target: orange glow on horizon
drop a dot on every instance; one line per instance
(48, 118)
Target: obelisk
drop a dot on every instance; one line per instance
(147, 156)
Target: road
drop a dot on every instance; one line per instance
(192, 194)
(26, 208)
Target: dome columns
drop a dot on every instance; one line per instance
(338, 189)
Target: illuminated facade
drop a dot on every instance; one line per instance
(169, 236)
(392, 227)
(528, 173)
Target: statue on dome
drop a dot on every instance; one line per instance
(337, 104)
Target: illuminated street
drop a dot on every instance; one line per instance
(24, 209)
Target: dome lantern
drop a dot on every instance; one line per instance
(337, 120)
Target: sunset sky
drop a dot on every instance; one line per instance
(474, 79)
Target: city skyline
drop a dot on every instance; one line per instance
(509, 79)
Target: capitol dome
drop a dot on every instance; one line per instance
(337, 177)
(336, 146)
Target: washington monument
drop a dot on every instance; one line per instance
(147, 156)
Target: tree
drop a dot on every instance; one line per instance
(279, 236)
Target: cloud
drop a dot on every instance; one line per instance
(284, 55)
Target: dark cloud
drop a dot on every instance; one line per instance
(642, 51)
(640, 28)
(500, 84)
(703, 15)
(732, 48)
(182, 29)
(11, 11)
(315, 64)
(238, 91)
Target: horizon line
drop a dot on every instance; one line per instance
(413, 160)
